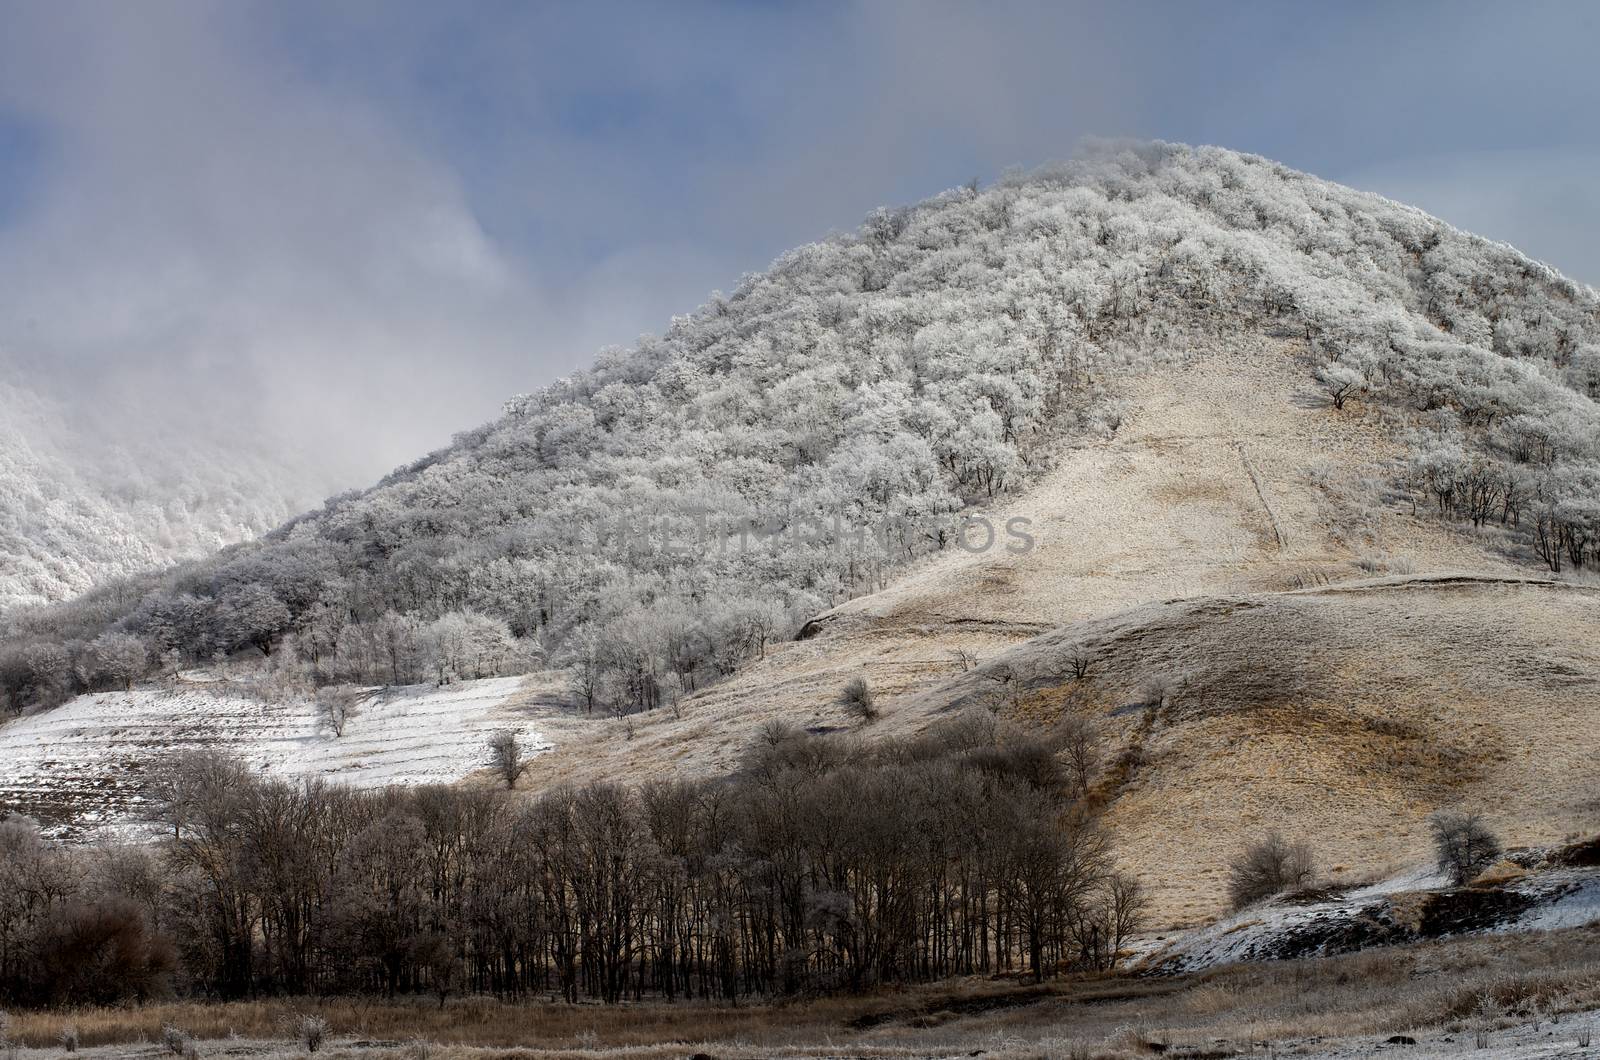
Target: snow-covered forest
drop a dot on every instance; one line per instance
(114, 498)
(900, 375)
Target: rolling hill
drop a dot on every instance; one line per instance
(1311, 483)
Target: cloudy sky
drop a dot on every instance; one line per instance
(349, 229)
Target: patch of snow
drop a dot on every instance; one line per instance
(1280, 929)
(83, 764)
(1569, 899)
(1425, 878)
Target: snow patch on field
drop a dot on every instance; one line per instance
(83, 764)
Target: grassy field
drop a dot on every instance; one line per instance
(1452, 991)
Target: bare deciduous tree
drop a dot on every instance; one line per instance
(1128, 905)
(1340, 382)
(507, 757)
(1463, 844)
(1005, 689)
(1076, 660)
(338, 704)
(1079, 742)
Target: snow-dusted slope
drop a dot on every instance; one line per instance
(414, 735)
(1413, 906)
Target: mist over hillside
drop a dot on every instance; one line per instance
(95, 490)
(902, 376)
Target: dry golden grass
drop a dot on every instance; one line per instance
(1166, 509)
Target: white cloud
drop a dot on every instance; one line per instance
(218, 235)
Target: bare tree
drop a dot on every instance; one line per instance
(1074, 660)
(1269, 867)
(964, 658)
(1463, 844)
(507, 757)
(1110, 916)
(1340, 382)
(337, 705)
(1157, 692)
(1005, 691)
(1127, 905)
(1079, 743)
(587, 672)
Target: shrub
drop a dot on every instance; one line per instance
(1463, 844)
(176, 1041)
(99, 953)
(857, 698)
(1269, 867)
(311, 1031)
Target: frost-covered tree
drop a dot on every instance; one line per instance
(338, 705)
(1341, 382)
(465, 644)
(118, 658)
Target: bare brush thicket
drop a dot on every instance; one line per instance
(1268, 867)
(178, 1042)
(823, 865)
(1462, 844)
(859, 700)
(310, 1031)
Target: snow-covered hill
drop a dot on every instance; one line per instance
(1223, 395)
(889, 382)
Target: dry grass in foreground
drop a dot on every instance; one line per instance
(1460, 986)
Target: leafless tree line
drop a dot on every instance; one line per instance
(820, 866)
